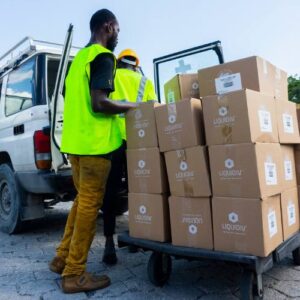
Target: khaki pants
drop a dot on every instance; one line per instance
(90, 175)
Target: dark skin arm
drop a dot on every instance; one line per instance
(102, 104)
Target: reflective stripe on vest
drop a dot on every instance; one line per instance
(141, 90)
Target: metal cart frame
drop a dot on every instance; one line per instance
(160, 264)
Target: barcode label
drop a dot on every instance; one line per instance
(288, 125)
(265, 121)
(288, 173)
(270, 173)
(291, 211)
(228, 83)
(171, 96)
(272, 223)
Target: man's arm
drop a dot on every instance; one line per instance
(101, 103)
(102, 83)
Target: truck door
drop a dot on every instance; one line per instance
(59, 160)
(184, 62)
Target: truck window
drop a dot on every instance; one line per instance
(185, 62)
(20, 88)
(52, 68)
(0, 89)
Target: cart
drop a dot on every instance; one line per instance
(160, 263)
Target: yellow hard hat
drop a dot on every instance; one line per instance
(129, 52)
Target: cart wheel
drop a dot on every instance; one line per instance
(296, 256)
(246, 285)
(159, 268)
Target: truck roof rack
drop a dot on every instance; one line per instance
(26, 47)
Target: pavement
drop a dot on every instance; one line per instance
(24, 270)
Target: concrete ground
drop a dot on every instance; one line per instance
(24, 270)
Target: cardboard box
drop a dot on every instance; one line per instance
(243, 116)
(191, 222)
(180, 125)
(146, 171)
(188, 172)
(280, 84)
(288, 166)
(298, 114)
(288, 129)
(249, 226)
(246, 170)
(141, 129)
(297, 162)
(149, 217)
(181, 87)
(253, 73)
(290, 212)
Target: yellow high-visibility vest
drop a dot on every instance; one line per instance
(84, 131)
(131, 86)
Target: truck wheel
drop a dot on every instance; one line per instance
(10, 201)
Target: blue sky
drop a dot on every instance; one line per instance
(268, 28)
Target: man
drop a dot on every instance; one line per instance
(132, 85)
(90, 135)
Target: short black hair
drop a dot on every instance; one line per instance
(100, 17)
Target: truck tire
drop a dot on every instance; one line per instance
(10, 201)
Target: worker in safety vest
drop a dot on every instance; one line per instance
(132, 85)
(90, 134)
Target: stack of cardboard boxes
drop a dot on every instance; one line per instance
(247, 116)
(147, 179)
(181, 139)
(228, 159)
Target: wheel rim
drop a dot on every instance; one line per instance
(5, 199)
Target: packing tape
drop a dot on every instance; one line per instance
(223, 109)
(188, 188)
(187, 184)
(227, 133)
(278, 83)
(181, 155)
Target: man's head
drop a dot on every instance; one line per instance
(104, 26)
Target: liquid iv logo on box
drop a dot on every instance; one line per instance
(184, 172)
(172, 119)
(183, 166)
(223, 111)
(229, 163)
(193, 229)
(224, 118)
(141, 170)
(193, 222)
(141, 164)
(233, 217)
(141, 133)
(141, 216)
(143, 209)
(229, 171)
(232, 227)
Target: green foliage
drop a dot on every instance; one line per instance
(294, 88)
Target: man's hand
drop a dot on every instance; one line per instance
(100, 103)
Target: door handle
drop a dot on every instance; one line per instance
(19, 129)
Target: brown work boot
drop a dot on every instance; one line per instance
(84, 283)
(57, 265)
